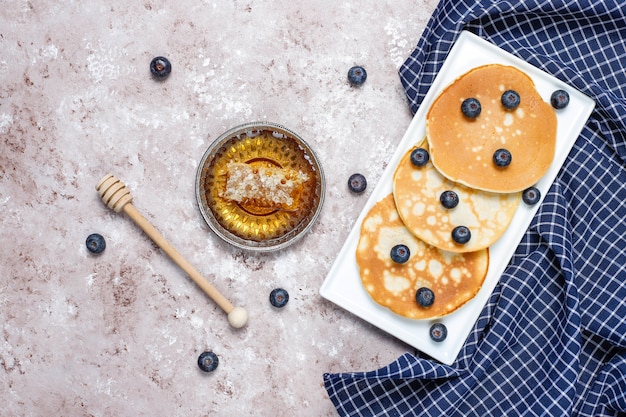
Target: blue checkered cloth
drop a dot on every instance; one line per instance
(551, 341)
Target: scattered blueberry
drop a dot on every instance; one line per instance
(160, 67)
(559, 99)
(357, 75)
(95, 243)
(510, 99)
(449, 199)
(438, 332)
(419, 157)
(400, 254)
(208, 361)
(357, 183)
(471, 108)
(502, 158)
(531, 196)
(279, 297)
(461, 235)
(425, 297)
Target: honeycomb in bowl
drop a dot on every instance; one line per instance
(263, 187)
(261, 218)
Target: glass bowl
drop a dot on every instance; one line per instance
(262, 229)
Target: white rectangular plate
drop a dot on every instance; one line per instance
(343, 285)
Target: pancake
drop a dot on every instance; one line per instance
(462, 148)
(416, 192)
(455, 278)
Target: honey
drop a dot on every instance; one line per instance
(270, 150)
(261, 189)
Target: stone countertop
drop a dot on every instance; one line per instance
(119, 334)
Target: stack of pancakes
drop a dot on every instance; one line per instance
(461, 160)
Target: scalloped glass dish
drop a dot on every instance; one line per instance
(343, 284)
(256, 228)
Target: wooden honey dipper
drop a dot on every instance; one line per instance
(117, 197)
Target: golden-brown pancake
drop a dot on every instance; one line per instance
(416, 192)
(455, 278)
(462, 148)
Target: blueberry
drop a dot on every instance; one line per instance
(400, 254)
(471, 108)
(559, 99)
(425, 297)
(419, 157)
(438, 332)
(95, 243)
(357, 75)
(449, 199)
(279, 297)
(208, 361)
(461, 235)
(531, 196)
(357, 183)
(502, 158)
(160, 67)
(510, 99)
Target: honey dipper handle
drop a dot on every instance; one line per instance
(200, 281)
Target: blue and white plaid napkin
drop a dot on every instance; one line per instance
(551, 340)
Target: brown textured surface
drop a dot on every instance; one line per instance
(462, 149)
(454, 278)
(119, 334)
